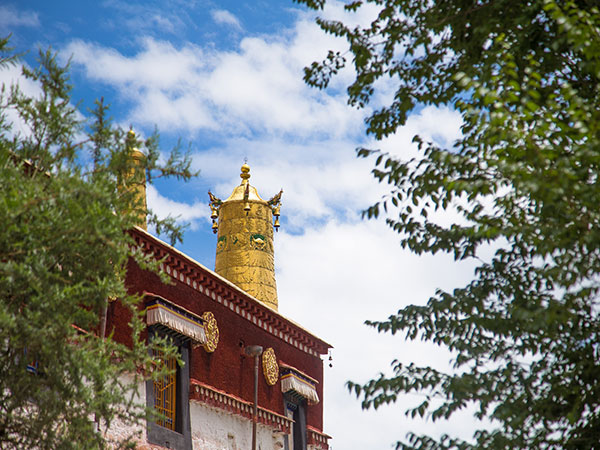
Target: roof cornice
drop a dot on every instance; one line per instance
(185, 269)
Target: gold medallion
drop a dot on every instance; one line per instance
(211, 330)
(270, 366)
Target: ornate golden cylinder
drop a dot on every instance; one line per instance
(245, 242)
(134, 180)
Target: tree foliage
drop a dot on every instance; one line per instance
(523, 179)
(65, 207)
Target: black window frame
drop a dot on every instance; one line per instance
(297, 404)
(181, 438)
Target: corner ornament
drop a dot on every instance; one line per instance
(270, 366)
(212, 331)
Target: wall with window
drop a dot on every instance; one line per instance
(226, 368)
(169, 397)
(211, 429)
(195, 420)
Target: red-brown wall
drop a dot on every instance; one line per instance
(227, 369)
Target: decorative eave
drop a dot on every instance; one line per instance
(317, 439)
(185, 269)
(166, 315)
(297, 383)
(216, 398)
(284, 367)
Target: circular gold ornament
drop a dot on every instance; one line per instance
(270, 366)
(211, 330)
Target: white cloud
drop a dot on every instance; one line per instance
(158, 66)
(224, 17)
(333, 278)
(145, 18)
(440, 125)
(257, 88)
(10, 17)
(183, 212)
(12, 76)
(321, 179)
(362, 17)
(152, 21)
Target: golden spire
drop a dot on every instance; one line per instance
(135, 179)
(245, 256)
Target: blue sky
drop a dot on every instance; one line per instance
(226, 78)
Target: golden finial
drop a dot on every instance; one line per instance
(136, 153)
(245, 175)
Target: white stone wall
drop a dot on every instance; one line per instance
(215, 429)
(212, 429)
(120, 431)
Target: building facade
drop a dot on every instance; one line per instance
(245, 363)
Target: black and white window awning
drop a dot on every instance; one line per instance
(174, 320)
(298, 384)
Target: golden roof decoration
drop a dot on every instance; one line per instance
(134, 179)
(245, 191)
(244, 223)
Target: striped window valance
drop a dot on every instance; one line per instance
(173, 319)
(296, 383)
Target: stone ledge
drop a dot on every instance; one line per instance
(230, 403)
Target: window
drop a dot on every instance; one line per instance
(170, 397)
(165, 390)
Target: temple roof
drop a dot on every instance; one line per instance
(273, 321)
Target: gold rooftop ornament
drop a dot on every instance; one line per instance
(134, 179)
(244, 223)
